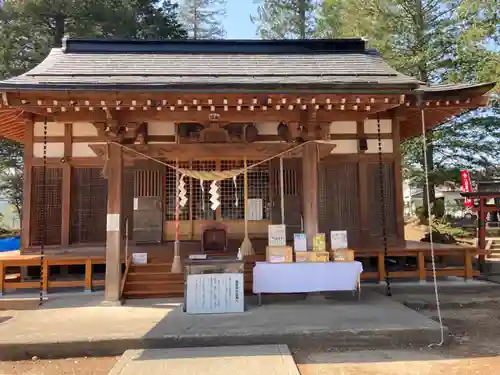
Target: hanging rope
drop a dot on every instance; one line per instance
(431, 240)
(42, 211)
(388, 291)
(246, 247)
(218, 175)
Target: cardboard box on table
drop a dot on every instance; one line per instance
(339, 248)
(321, 256)
(304, 256)
(279, 254)
(342, 255)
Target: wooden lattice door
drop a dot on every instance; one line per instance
(46, 216)
(89, 191)
(148, 211)
(292, 188)
(338, 207)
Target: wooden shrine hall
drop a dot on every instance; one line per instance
(317, 123)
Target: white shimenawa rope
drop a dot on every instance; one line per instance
(431, 241)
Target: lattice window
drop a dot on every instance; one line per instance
(258, 192)
(290, 180)
(200, 198)
(89, 192)
(171, 193)
(53, 206)
(231, 196)
(199, 205)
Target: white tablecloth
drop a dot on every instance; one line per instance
(305, 277)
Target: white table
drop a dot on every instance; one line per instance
(306, 277)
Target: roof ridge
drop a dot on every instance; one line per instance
(250, 46)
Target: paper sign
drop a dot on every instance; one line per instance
(277, 259)
(338, 239)
(277, 235)
(198, 256)
(299, 242)
(255, 209)
(319, 243)
(140, 258)
(113, 222)
(136, 204)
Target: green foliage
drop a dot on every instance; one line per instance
(29, 28)
(437, 41)
(285, 19)
(203, 18)
(11, 173)
(443, 226)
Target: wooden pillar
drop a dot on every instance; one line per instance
(114, 227)
(467, 265)
(27, 177)
(398, 179)
(363, 183)
(66, 186)
(310, 183)
(422, 272)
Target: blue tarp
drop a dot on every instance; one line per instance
(9, 244)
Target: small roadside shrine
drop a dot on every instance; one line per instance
(175, 148)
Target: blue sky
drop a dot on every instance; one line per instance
(237, 23)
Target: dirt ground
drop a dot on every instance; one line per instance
(475, 349)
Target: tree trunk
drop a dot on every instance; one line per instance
(59, 29)
(302, 19)
(423, 75)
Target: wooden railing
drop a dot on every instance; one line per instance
(125, 274)
(421, 272)
(87, 283)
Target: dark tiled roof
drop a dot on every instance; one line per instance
(163, 65)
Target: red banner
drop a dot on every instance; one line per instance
(466, 188)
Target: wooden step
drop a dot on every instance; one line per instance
(151, 294)
(152, 276)
(151, 267)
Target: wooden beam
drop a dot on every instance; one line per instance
(66, 185)
(125, 100)
(27, 182)
(203, 116)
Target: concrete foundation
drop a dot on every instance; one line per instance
(67, 326)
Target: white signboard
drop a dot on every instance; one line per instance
(299, 242)
(139, 258)
(136, 204)
(277, 235)
(215, 293)
(338, 239)
(255, 209)
(113, 222)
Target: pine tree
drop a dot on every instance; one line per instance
(437, 41)
(203, 18)
(285, 19)
(29, 28)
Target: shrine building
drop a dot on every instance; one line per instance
(308, 131)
